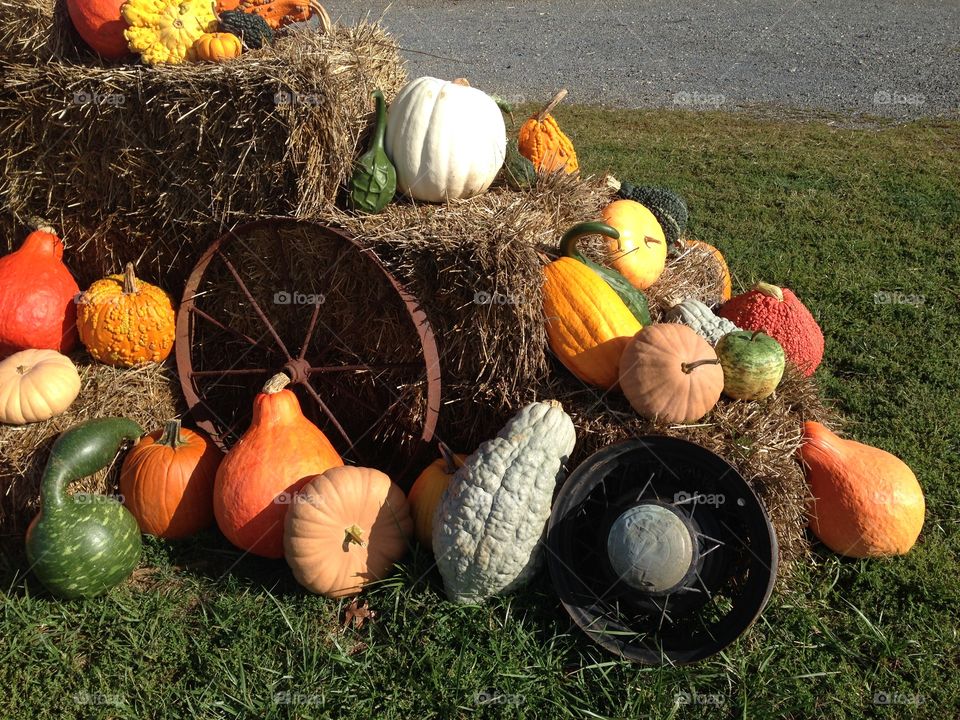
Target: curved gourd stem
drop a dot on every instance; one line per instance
(769, 290)
(275, 384)
(380, 131)
(542, 115)
(568, 243)
(171, 437)
(452, 464)
(81, 451)
(690, 367)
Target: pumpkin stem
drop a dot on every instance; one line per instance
(650, 240)
(129, 280)
(568, 243)
(754, 335)
(542, 115)
(769, 290)
(171, 436)
(612, 183)
(40, 225)
(275, 384)
(21, 369)
(354, 534)
(462, 82)
(448, 457)
(690, 367)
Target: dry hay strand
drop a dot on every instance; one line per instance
(150, 165)
(149, 395)
(39, 31)
(694, 273)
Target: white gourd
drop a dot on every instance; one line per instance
(36, 385)
(446, 140)
(488, 526)
(701, 319)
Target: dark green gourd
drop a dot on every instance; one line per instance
(635, 300)
(520, 172)
(374, 181)
(80, 546)
(249, 27)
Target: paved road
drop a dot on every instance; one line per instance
(892, 58)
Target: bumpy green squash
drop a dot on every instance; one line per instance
(490, 521)
(701, 319)
(80, 546)
(633, 298)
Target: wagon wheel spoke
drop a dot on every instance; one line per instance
(255, 305)
(326, 411)
(232, 371)
(310, 328)
(233, 331)
(367, 367)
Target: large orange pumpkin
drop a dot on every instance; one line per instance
(640, 253)
(101, 26)
(258, 478)
(866, 502)
(671, 374)
(167, 481)
(427, 490)
(346, 528)
(125, 322)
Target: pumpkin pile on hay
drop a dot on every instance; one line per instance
(150, 165)
(149, 395)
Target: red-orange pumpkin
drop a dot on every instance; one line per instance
(277, 455)
(427, 490)
(37, 292)
(100, 25)
(167, 481)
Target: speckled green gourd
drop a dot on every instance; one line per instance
(752, 362)
(80, 546)
(633, 298)
(374, 180)
(249, 27)
(519, 171)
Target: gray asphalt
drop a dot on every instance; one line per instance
(888, 58)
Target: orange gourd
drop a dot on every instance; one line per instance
(217, 47)
(867, 502)
(167, 481)
(346, 528)
(256, 482)
(427, 490)
(125, 322)
(726, 282)
(587, 323)
(671, 374)
(544, 144)
(640, 253)
(278, 13)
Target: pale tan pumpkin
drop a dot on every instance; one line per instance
(670, 374)
(36, 385)
(346, 528)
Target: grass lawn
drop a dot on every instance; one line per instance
(848, 218)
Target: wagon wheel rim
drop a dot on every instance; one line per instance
(292, 359)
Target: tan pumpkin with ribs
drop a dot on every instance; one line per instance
(36, 385)
(671, 374)
(346, 528)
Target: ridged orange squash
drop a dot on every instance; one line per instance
(257, 480)
(588, 325)
(640, 253)
(167, 481)
(427, 489)
(867, 502)
(544, 144)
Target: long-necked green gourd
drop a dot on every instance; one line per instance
(374, 181)
(633, 298)
(80, 546)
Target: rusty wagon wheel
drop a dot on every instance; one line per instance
(299, 297)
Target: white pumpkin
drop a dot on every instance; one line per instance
(446, 140)
(36, 385)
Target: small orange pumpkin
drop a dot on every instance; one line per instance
(544, 144)
(640, 253)
(277, 455)
(671, 374)
(217, 47)
(427, 490)
(866, 501)
(347, 527)
(125, 322)
(167, 481)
